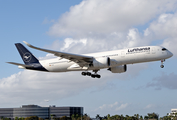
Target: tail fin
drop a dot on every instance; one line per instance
(26, 55)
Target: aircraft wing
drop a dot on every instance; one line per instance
(72, 57)
(18, 64)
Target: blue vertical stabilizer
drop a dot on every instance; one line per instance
(29, 59)
(26, 55)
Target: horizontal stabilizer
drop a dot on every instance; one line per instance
(18, 64)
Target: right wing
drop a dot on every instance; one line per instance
(81, 59)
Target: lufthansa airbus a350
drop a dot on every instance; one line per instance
(115, 61)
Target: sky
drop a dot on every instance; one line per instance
(87, 26)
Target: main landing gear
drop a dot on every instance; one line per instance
(95, 75)
(162, 66)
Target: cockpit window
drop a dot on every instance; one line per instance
(163, 49)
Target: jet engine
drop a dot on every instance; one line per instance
(118, 69)
(101, 62)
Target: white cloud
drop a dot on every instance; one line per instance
(165, 28)
(122, 106)
(112, 107)
(26, 85)
(113, 41)
(47, 21)
(146, 32)
(164, 81)
(109, 25)
(99, 17)
(69, 42)
(149, 106)
(48, 56)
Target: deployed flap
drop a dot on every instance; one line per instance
(73, 57)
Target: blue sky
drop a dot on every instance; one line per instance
(22, 20)
(83, 27)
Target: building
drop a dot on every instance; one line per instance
(173, 112)
(42, 112)
(6, 112)
(31, 110)
(65, 111)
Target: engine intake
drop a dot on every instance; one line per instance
(102, 62)
(118, 69)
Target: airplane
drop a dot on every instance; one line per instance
(115, 61)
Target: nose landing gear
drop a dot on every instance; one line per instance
(162, 61)
(95, 75)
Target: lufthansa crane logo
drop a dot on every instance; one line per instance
(27, 57)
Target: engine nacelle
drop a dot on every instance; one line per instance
(101, 62)
(118, 69)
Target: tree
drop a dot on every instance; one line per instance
(108, 116)
(153, 116)
(141, 117)
(146, 117)
(16, 118)
(21, 118)
(40, 119)
(86, 117)
(175, 116)
(78, 117)
(72, 117)
(121, 117)
(117, 117)
(32, 118)
(166, 117)
(137, 116)
(98, 117)
(64, 118)
(105, 118)
(52, 116)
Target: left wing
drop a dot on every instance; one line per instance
(81, 59)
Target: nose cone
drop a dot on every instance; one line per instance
(170, 54)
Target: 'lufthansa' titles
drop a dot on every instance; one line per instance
(139, 49)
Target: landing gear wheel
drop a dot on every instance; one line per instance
(93, 76)
(83, 73)
(98, 76)
(162, 66)
(89, 74)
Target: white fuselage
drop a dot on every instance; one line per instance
(118, 57)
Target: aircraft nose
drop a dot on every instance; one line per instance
(170, 54)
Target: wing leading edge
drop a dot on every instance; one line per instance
(72, 57)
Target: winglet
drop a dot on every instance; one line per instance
(27, 44)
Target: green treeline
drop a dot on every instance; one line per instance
(149, 116)
(153, 116)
